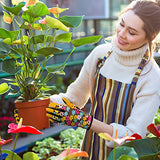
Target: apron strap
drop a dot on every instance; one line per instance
(101, 61)
(140, 68)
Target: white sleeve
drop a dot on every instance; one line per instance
(77, 92)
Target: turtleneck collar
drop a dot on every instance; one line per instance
(128, 58)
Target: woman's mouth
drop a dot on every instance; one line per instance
(121, 42)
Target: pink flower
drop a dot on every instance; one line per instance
(71, 153)
(43, 21)
(77, 111)
(68, 123)
(2, 141)
(154, 130)
(67, 118)
(14, 128)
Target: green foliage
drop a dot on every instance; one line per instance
(26, 54)
(143, 149)
(3, 88)
(122, 152)
(47, 148)
(26, 156)
(157, 118)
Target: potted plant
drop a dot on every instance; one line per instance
(26, 51)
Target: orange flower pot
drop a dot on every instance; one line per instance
(34, 113)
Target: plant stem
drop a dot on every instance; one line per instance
(47, 77)
(114, 151)
(1, 151)
(14, 147)
(69, 55)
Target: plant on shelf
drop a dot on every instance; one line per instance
(25, 52)
(147, 148)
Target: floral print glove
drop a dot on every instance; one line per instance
(69, 115)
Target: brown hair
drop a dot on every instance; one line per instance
(149, 12)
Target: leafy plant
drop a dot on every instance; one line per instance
(26, 50)
(14, 128)
(48, 148)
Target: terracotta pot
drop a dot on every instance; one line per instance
(34, 113)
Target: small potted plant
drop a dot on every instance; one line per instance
(26, 51)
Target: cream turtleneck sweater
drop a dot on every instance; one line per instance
(120, 66)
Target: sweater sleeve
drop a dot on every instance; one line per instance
(78, 91)
(145, 107)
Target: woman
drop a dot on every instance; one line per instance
(122, 80)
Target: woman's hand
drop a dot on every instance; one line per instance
(69, 115)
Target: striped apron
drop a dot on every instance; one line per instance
(112, 102)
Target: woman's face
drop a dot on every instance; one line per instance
(130, 33)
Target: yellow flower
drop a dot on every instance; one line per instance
(84, 118)
(70, 118)
(7, 18)
(84, 123)
(63, 119)
(76, 116)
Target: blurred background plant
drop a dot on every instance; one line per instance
(6, 116)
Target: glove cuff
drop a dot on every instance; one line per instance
(89, 126)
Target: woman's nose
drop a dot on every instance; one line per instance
(122, 33)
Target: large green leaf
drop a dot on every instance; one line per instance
(4, 49)
(9, 157)
(9, 66)
(35, 11)
(147, 149)
(55, 23)
(40, 39)
(56, 69)
(30, 156)
(8, 34)
(123, 150)
(63, 38)
(16, 9)
(46, 51)
(85, 40)
(30, 19)
(71, 21)
(4, 88)
(125, 157)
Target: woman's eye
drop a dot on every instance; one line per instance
(121, 24)
(131, 33)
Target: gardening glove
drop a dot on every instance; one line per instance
(16, 115)
(69, 115)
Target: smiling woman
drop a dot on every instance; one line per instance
(120, 78)
(130, 32)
